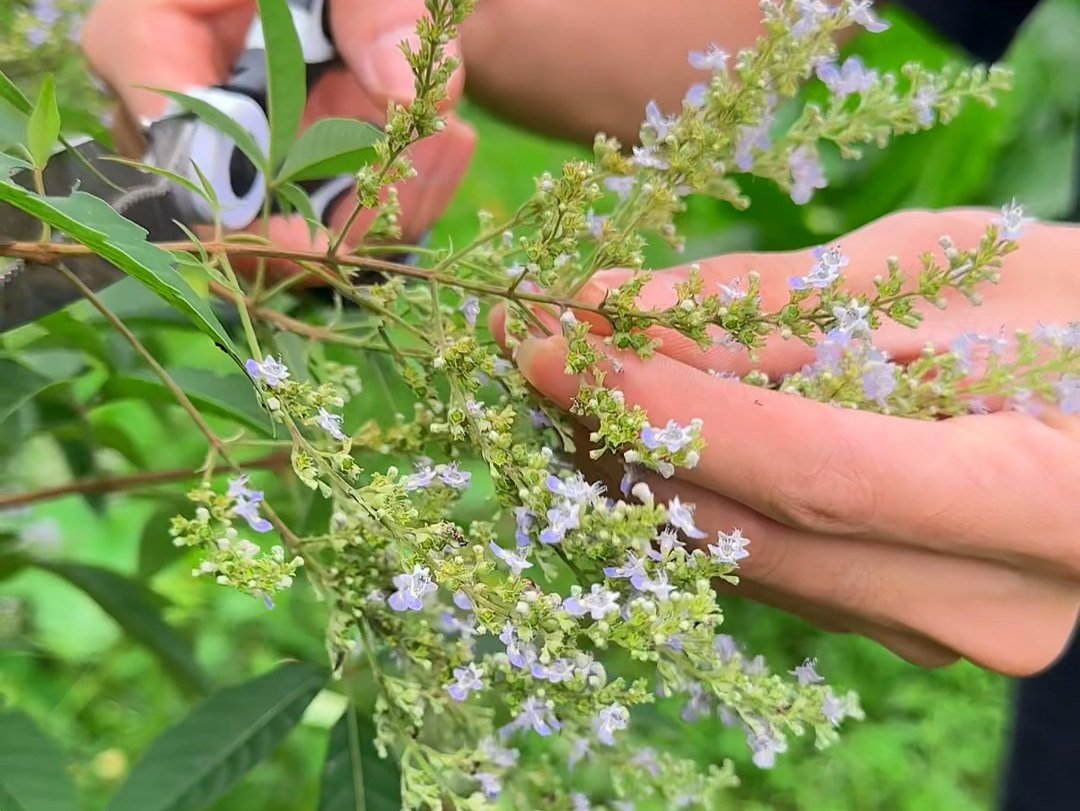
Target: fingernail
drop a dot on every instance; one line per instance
(384, 68)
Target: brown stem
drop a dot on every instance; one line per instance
(115, 484)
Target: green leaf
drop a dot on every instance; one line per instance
(330, 147)
(12, 126)
(286, 77)
(94, 223)
(231, 396)
(211, 750)
(19, 386)
(33, 776)
(299, 200)
(354, 777)
(79, 122)
(156, 549)
(219, 121)
(10, 92)
(157, 170)
(43, 128)
(135, 609)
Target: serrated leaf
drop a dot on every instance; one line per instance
(354, 777)
(226, 736)
(219, 121)
(156, 549)
(43, 128)
(231, 396)
(330, 147)
(33, 776)
(135, 608)
(19, 386)
(286, 77)
(92, 222)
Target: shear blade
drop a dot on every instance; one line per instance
(29, 291)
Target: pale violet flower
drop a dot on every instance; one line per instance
(806, 175)
(562, 518)
(423, 477)
(462, 601)
(730, 548)
(516, 560)
(524, 518)
(755, 137)
(681, 516)
(852, 319)
(698, 706)
(578, 750)
(923, 105)
(669, 542)
(1068, 391)
(535, 714)
(697, 95)
(453, 477)
(471, 310)
(490, 784)
(331, 423)
(610, 720)
(465, 679)
(575, 489)
(1012, 221)
(712, 58)
(594, 224)
(580, 802)
(807, 673)
(647, 158)
(765, 747)
(246, 504)
(851, 77)
(558, 671)
(270, 371)
(879, 380)
(498, 755)
(812, 13)
(621, 186)
(825, 272)
(862, 13)
(658, 586)
(633, 570)
(598, 603)
(520, 653)
(672, 436)
(412, 588)
(656, 121)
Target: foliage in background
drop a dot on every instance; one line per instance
(932, 739)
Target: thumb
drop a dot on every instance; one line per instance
(369, 36)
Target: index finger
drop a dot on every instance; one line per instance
(1001, 485)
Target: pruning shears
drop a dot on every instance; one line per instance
(177, 142)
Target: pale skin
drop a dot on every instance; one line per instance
(939, 540)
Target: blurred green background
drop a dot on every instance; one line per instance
(932, 740)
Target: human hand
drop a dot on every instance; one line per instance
(939, 540)
(180, 44)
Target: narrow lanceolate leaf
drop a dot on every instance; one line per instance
(354, 777)
(92, 222)
(43, 128)
(286, 77)
(135, 608)
(231, 396)
(219, 121)
(33, 776)
(296, 198)
(18, 385)
(330, 147)
(10, 92)
(226, 736)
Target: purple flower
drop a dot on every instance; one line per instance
(834, 709)
(633, 570)
(646, 759)
(516, 560)
(811, 14)
(765, 747)
(520, 653)
(271, 372)
(1012, 221)
(580, 801)
(826, 269)
(558, 671)
(331, 423)
(412, 589)
(699, 704)
(730, 549)
(453, 477)
(574, 489)
(852, 319)
(423, 477)
(465, 679)
(610, 720)
(923, 105)
(807, 673)
(669, 541)
(697, 95)
(851, 77)
(658, 586)
(498, 755)
(862, 13)
(806, 175)
(462, 601)
(712, 58)
(646, 158)
(578, 750)
(1068, 391)
(681, 516)
(246, 504)
(830, 350)
(673, 437)
(490, 784)
(524, 518)
(598, 603)
(632, 474)
(879, 380)
(562, 518)
(726, 647)
(471, 309)
(535, 714)
(621, 186)
(539, 418)
(751, 138)
(656, 121)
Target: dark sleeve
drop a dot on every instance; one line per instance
(984, 28)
